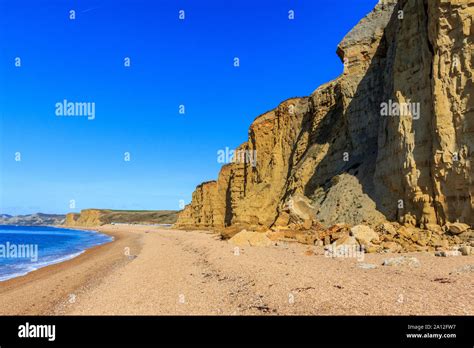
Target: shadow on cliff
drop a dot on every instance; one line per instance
(361, 120)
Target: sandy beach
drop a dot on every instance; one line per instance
(152, 271)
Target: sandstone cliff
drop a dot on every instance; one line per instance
(98, 217)
(336, 157)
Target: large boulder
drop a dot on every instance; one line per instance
(300, 212)
(457, 228)
(364, 234)
(248, 238)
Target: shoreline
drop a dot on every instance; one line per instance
(43, 289)
(63, 258)
(175, 272)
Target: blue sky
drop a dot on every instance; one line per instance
(173, 62)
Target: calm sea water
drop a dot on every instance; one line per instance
(26, 248)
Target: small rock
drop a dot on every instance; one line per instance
(458, 227)
(401, 261)
(366, 265)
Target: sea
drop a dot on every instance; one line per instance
(24, 249)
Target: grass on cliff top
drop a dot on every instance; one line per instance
(151, 217)
(137, 216)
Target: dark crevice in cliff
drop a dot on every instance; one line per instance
(432, 125)
(428, 41)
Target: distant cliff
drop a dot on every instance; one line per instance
(98, 217)
(38, 219)
(390, 139)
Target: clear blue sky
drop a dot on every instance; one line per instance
(173, 62)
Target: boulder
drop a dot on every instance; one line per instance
(333, 233)
(387, 228)
(364, 234)
(283, 219)
(402, 261)
(342, 242)
(371, 249)
(466, 236)
(457, 228)
(466, 250)
(307, 224)
(248, 238)
(421, 238)
(345, 246)
(347, 240)
(306, 238)
(276, 235)
(299, 208)
(392, 247)
(406, 231)
(448, 253)
(439, 242)
(434, 228)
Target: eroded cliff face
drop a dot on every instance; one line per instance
(87, 218)
(429, 61)
(346, 151)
